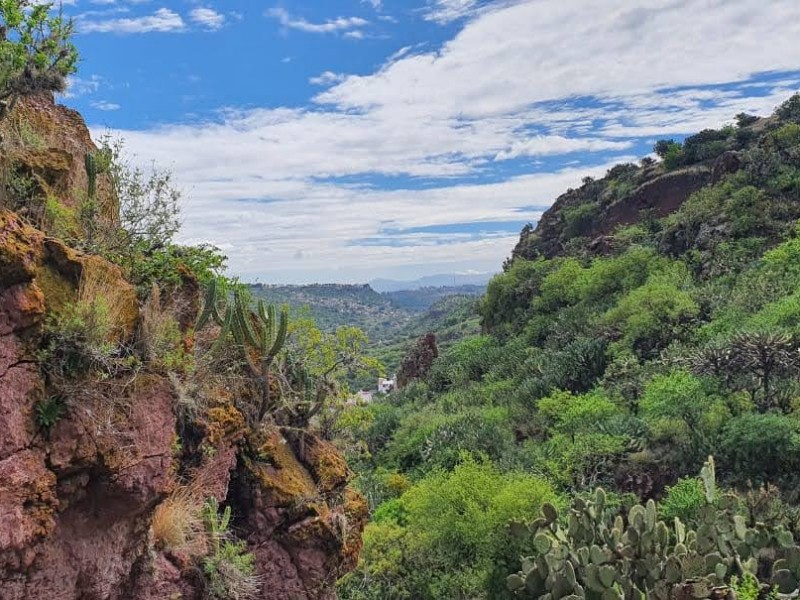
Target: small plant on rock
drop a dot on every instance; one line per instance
(229, 567)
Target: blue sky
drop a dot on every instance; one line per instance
(344, 140)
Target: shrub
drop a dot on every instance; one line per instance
(760, 448)
(651, 316)
(178, 523)
(161, 338)
(790, 109)
(229, 567)
(683, 501)
(444, 536)
(579, 219)
(49, 411)
(35, 51)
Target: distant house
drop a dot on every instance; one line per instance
(386, 385)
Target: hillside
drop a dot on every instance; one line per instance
(336, 305)
(650, 321)
(431, 281)
(392, 320)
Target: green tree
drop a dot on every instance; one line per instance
(36, 54)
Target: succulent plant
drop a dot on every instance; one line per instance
(593, 553)
(260, 334)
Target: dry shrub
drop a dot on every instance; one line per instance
(160, 336)
(178, 523)
(103, 304)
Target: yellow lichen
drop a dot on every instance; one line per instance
(280, 473)
(225, 424)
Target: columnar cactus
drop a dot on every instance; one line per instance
(260, 333)
(592, 553)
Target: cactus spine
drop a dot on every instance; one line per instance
(260, 333)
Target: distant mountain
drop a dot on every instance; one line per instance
(391, 319)
(335, 305)
(432, 281)
(421, 299)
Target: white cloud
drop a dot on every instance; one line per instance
(548, 145)
(340, 24)
(105, 105)
(162, 20)
(77, 86)
(445, 11)
(528, 79)
(207, 18)
(327, 78)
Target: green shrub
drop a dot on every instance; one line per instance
(446, 536)
(761, 448)
(229, 568)
(683, 501)
(653, 315)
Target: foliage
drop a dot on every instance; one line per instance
(49, 411)
(760, 448)
(444, 537)
(258, 334)
(229, 568)
(178, 523)
(622, 363)
(683, 501)
(36, 54)
(595, 553)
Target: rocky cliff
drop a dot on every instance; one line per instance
(79, 493)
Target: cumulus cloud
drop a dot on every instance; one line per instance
(207, 18)
(162, 20)
(340, 24)
(519, 82)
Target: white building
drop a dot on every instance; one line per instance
(386, 385)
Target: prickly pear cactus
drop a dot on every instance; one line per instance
(592, 553)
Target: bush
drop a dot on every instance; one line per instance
(446, 536)
(229, 568)
(761, 448)
(684, 500)
(790, 109)
(653, 315)
(35, 51)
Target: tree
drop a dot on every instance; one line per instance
(36, 54)
(417, 363)
(313, 368)
(663, 147)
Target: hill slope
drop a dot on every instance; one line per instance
(650, 320)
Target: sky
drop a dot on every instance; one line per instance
(343, 140)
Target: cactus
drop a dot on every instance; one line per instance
(260, 334)
(91, 172)
(96, 163)
(592, 553)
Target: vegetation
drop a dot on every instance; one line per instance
(230, 569)
(36, 54)
(623, 365)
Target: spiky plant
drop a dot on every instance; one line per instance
(260, 334)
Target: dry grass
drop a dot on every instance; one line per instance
(103, 304)
(178, 523)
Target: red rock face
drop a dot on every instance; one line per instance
(77, 501)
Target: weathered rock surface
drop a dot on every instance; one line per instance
(77, 500)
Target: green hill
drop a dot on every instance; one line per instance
(649, 321)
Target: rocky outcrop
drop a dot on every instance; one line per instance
(656, 197)
(78, 495)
